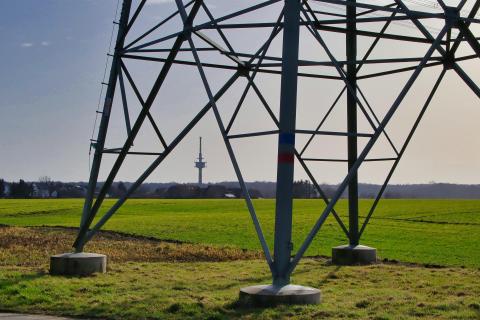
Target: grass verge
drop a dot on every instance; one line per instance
(150, 279)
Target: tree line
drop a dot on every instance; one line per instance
(45, 187)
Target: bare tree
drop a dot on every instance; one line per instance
(47, 183)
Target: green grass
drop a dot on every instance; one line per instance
(147, 280)
(444, 232)
(209, 291)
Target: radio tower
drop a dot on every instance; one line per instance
(200, 164)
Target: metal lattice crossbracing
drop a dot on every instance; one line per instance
(202, 42)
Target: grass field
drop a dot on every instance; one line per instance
(443, 232)
(430, 246)
(151, 279)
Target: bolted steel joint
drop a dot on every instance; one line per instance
(186, 33)
(452, 16)
(449, 60)
(244, 69)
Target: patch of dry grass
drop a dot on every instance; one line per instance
(32, 247)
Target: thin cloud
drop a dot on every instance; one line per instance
(26, 45)
(45, 43)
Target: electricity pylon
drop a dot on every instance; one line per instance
(367, 23)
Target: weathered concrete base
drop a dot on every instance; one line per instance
(269, 295)
(351, 255)
(78, 264)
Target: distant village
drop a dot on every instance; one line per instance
(45, 188)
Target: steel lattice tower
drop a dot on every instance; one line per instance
(438, 49)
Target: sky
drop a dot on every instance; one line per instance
(52, 62)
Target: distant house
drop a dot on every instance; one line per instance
(7, 190)
(39, 192)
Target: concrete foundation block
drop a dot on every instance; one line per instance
(78, 264)
(353, 255)
(269, 295)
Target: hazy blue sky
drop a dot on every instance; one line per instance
(51, 62)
